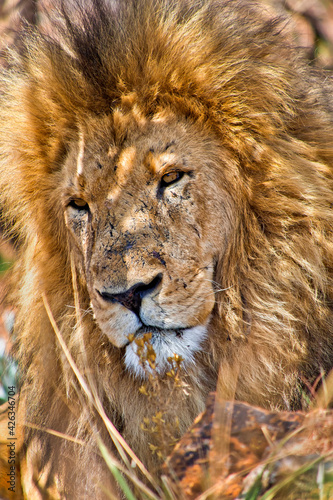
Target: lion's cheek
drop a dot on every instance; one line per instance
(175, 310)
(116, 322)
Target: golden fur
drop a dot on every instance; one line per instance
(239, 249)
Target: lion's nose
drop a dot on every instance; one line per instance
(133, 296)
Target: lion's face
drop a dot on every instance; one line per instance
(143, 206)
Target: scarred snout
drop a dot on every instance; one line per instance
(132, 298)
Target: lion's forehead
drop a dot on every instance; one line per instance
(133, 161)
(106, 149)
(104, 172)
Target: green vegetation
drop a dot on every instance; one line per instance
(8, 372)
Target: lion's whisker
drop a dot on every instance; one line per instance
(85, 311)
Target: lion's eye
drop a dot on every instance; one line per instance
(79, 204)
(171, 178)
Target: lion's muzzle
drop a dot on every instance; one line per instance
(132, 297)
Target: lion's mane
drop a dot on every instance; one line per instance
(228, 68)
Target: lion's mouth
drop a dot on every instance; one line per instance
(156, 332)
(165, 343)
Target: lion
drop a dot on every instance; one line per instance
(166, 166)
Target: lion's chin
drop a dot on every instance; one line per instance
(166, 343)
